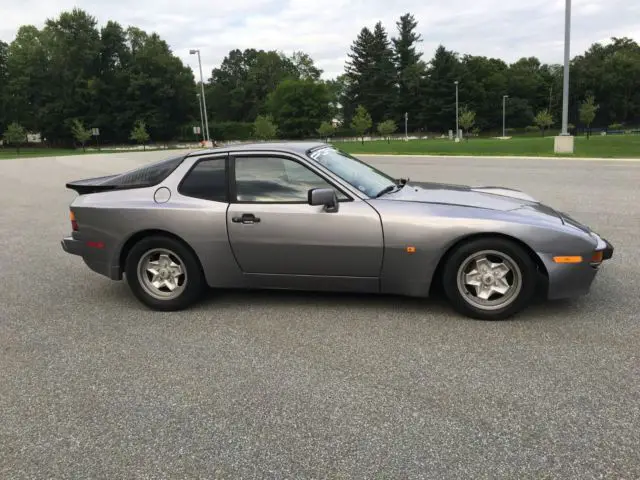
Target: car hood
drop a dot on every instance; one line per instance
(492, 198)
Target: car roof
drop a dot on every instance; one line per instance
(300, 147)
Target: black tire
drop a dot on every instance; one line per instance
(193, 285)
(520, 292)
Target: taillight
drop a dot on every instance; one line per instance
(74, 224)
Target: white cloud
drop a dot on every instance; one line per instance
(325, 30)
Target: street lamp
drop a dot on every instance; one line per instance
(564, 142)
(457, 128)
(565, 87)
(406, 120)
(504, 109)
(204, 101)
(201, 120)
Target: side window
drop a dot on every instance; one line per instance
(275, 179)
(207, 180)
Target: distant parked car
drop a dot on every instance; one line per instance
(307, 216)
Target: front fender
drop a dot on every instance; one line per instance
(433, 229)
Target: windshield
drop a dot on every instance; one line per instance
(353, 171)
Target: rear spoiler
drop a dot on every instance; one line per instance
(91, 185)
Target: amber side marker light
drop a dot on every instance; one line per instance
(568, 259)
(411, 249)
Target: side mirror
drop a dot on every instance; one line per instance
(324, 196)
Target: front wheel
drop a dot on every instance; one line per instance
(489, 278)
(164, 274)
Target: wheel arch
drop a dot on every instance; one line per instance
(437, 274)
(136, 237)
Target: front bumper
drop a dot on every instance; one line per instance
(573, 280)
(607, 249)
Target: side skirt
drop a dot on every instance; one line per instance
(314, 283)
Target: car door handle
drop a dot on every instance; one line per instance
(246, 218)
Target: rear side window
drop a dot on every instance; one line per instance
(147, 175)
(207, 180)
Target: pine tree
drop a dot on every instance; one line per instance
(439, 90)
(410, 70)
(384, 92)
(357, 74)
(370, 75)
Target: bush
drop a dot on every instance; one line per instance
(616, 126)
(532, 128)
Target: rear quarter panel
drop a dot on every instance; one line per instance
(113, 218)
(434, 228)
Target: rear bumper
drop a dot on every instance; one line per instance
(72, 246)
(97, 259)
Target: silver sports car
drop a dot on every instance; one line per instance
(308, 216)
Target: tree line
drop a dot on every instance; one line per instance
(71, 76)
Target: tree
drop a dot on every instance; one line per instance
(410, 70)
(361, 121)
(264, 128)
(139, 133)
(467, 120)
(299, 107)
(80, 133)
(4, 77)
(108, 77)
(239, 88)
(326, 129)
(543, 120)
(305, 66)
(387, 128)
(337, 90)
(588, 110)
(439, 90)
(15, 135)
(370, 75)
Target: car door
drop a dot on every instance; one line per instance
(273, 230)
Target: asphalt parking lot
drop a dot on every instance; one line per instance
(292, 385)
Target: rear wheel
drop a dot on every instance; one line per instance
(164, 274)
(489, 278)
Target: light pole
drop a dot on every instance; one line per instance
(457, 128)
(406, 120)
(204, 101)
(565, 87)
(563, 143)
(201, 120)
(504, 110)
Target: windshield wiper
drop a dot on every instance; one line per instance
(387, 189)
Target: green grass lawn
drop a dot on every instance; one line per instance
(622, 146)
(9, 153)
(613, 146)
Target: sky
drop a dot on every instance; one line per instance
(325, 29)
